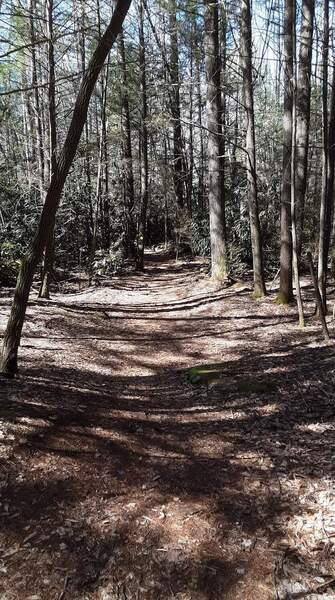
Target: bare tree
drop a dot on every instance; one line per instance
(214, 126)
(178, 171)
(325, 204)
(127, 153)
(295, 257)
(143, 145)
(50, 245)
(36, 94)
(303, 100)
(285, 294)
(250, 147)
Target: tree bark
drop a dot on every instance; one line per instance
(79, 6)
(295, 256)
(303, 100)
(219, 268)
(331, 168)
(13, 331)
(178, 173)
(127, 155)
(325, 206)
(285, 294)
(318, 298)
(191, 136)
(37, 104)
(143, 146)
(49, 256)
(250, 148)
(201, 192)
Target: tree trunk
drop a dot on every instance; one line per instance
(15, 323)
(318, 298)
(87, 162)
(201, 194)
(105, 198)
(50, 245)
(37, 104)
(303, 97)
(250, 149)
(331, 167)
(178, 174)
(325, 209)
(143, 146)
(295, 256)
(285, 294)
(214, 115)
(191, 136)
(127, 155)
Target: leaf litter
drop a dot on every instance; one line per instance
(120, 478)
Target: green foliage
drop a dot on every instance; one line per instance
(212, 375)
(9, 263)
(200, 235)
(204, 374)
(108, 262)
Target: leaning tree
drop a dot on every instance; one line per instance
(34, 253)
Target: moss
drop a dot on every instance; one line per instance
(257, 295)
(213, 375)
(282, 299)
(204, 374)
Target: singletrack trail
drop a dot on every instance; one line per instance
(121, 479)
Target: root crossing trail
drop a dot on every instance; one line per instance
(121, 479)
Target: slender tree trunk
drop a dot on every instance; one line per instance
(37, 104)
(28, 133)
(87, 161)
(250, 148)
(143, 145)
(191, 136)
(178, 174)
(318, 299)
(127, 155)
(325, 208)
(166, 185)
(201, 194)
(295, 257)
(214, 115)
(303, 97)
(331, 169)
(234, 180)
(13, 331)
(285, 289)
(105, 224)
(103, 186)
(49, 255)
(98, 185)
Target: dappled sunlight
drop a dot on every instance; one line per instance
(174, 451)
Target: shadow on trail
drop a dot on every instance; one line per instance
(134, 447)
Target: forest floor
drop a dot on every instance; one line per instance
(120, 479)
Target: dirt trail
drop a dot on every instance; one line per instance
(121, 480)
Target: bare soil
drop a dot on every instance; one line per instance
(120, 479)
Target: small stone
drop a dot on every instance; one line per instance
(246, 544)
